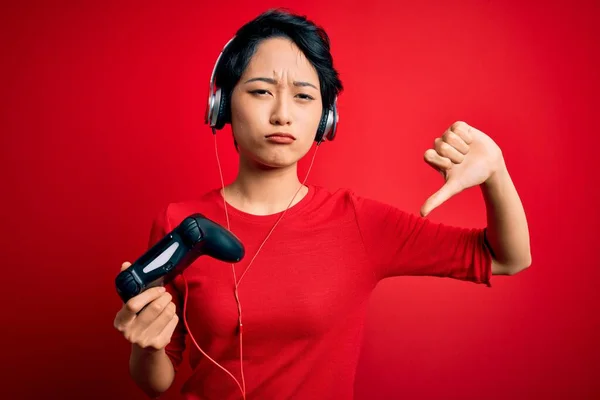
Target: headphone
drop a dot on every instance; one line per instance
(217, 114)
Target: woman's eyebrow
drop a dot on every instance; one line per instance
(274, 82)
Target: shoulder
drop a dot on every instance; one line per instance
(172, 213)
(332, 198)
(348, 199)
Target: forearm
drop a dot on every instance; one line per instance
(507, 228)
(153, 372)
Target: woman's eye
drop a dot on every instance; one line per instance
(304, 96)
(259, 92)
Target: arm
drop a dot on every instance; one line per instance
(467, 157)
(152, 371)
(507, 230)
(398, 243)
(148, 321)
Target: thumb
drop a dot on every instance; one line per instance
(439, 197)
(125, 265)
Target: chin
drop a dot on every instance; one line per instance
(277, 162)
(270, 159)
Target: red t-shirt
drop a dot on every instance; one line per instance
(304, 298)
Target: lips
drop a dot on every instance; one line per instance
(281, 134)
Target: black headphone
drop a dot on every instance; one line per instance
(217, 114)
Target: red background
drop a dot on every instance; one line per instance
(101, 122)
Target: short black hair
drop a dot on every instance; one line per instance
(310, 38)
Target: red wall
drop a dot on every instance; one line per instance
(101, 125)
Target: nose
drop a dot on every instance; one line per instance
(281, 114)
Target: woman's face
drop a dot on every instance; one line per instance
(277, 93)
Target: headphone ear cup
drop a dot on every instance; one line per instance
(322, 126)
(222, 111)
(332, 123)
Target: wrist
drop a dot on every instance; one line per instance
(497, 177)
(145, 352)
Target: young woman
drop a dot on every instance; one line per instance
(286, 322)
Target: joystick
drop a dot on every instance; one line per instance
(195, 236)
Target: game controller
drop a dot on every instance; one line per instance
(195, 236)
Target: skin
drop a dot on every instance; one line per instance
(267, 177)
(149, 332)
(286, 99)
(466, 157)
(279, 92)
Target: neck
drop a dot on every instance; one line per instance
(263, 191)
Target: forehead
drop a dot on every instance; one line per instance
(276, 57)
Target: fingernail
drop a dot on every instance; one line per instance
(161, 289)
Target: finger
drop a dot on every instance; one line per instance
(455, 141)
(158, 324)
(168, 330)
(463, 130)
(163, 338)
(438, 198)
(437, 162)
(445, 150)
(130, 309)
(125, 265)
(153, 310)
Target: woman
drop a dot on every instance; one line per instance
(287, 321)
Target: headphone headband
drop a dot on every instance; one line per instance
(214, 71)
(215, 115)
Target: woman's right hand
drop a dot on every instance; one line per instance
(153, 327)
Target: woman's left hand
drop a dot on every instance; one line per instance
(465, 157)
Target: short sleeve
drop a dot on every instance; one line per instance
(175, 348)
(400, 244)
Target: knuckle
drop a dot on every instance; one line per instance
(171, 310)
(156, 306)
(155, 344)
(458, 125)
(129, 336)
(444, 148)
(131, 306)
(452, 137)
(143, 343)
(118, 326)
